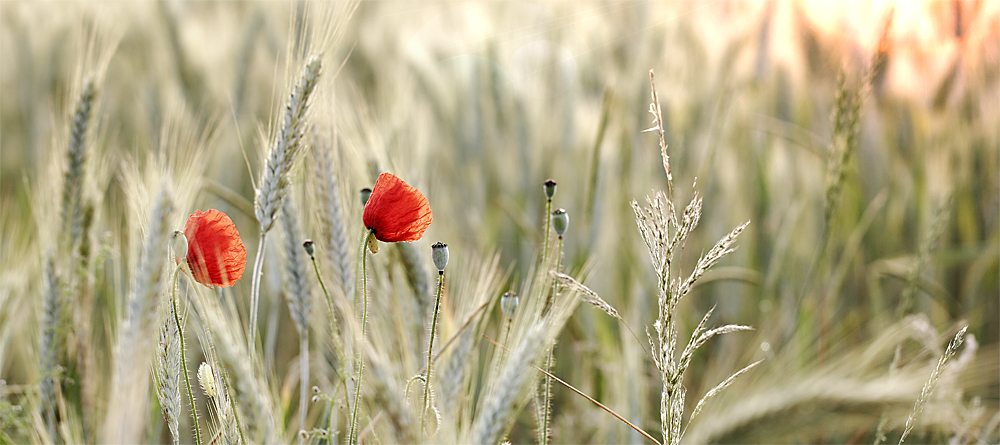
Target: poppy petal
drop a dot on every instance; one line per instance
(216, 255)
(396, 211)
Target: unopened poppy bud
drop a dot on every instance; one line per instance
(560, 221)
(365, 194)
(508, 304)
(179, 243)
(439, 253)
(550, 188)
(310, 248)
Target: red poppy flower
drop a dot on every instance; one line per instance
(215, 255)
(396, 211)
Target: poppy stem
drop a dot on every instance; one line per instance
(430, 352)
(352, 438)
(258, 266)
(187, 379)
(548, 213)
(333, 330)
(549, 362)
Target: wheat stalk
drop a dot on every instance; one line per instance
(125, 420)
(275, 180)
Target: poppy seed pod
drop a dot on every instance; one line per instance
(550, 189)
(309, 246)
(508, 304)
(365, 194)
(560, 221)
(439, 253)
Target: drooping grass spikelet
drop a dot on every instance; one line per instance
(72, 212)
(126, 419)
(167, 373)
(925, 392)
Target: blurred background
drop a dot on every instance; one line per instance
(478, 103)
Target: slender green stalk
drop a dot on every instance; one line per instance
(336, 345)
(352, 438)
(430, 352)
(329, 306)
(184, 366)
(258, 266)
(548, 213)
(303, 381)
(543, 431)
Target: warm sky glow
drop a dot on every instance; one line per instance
(925, 38)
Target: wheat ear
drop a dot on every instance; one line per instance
(275, 180)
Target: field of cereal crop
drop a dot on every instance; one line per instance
(487, 222)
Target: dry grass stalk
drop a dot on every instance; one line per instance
(925, 392)
(664, 234)
(125, 420)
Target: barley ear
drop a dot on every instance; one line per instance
(275, 181)
(72, 212)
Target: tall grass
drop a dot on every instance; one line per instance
(866, 162)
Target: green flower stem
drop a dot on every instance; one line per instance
(548, 214)
(352, 438)
(187, 379)
(547, 404)
(333, 327)
(430, 351)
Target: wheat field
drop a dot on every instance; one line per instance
(614, 186)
